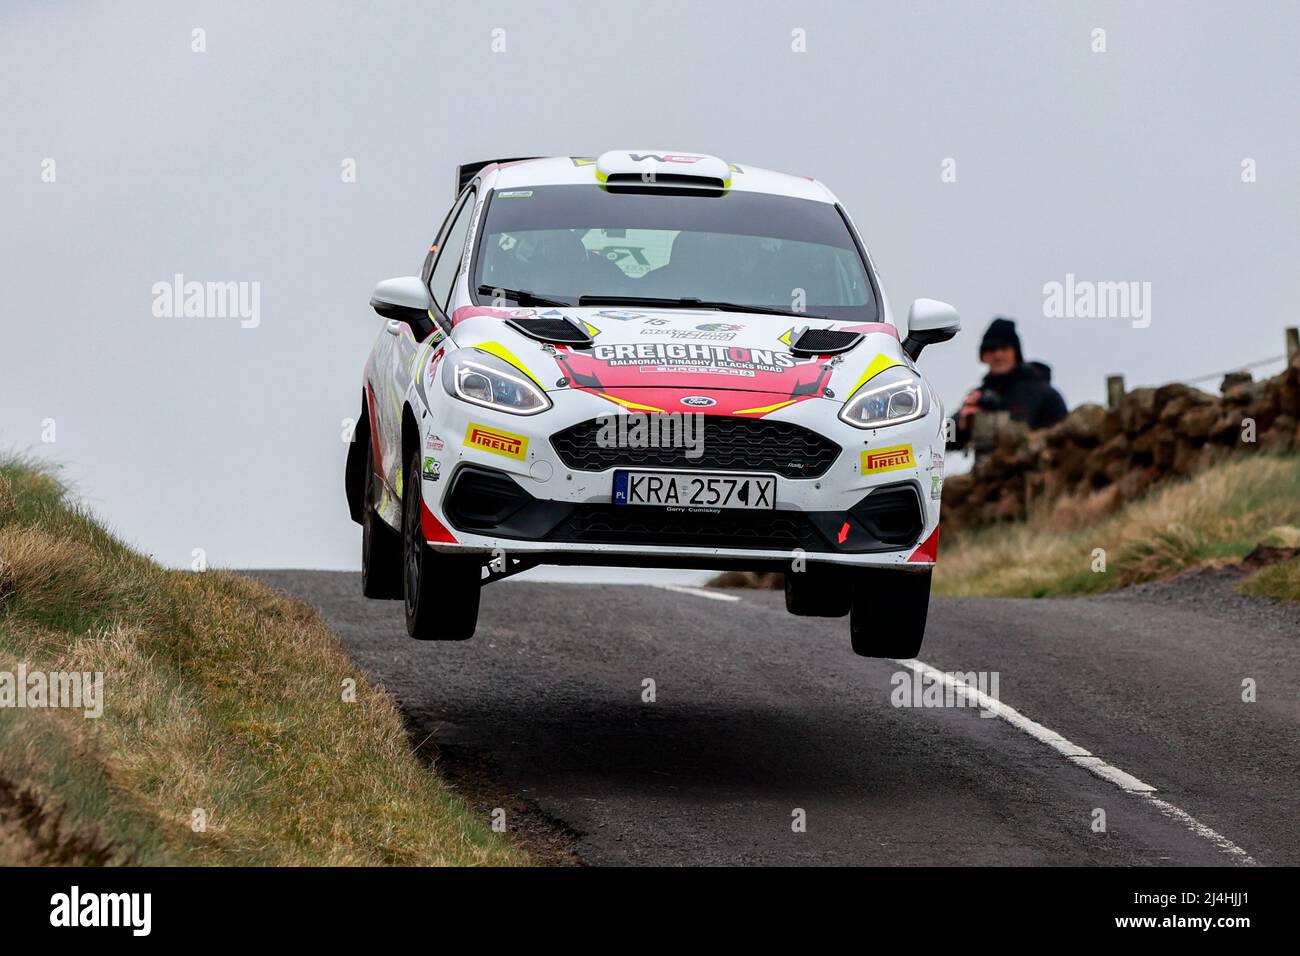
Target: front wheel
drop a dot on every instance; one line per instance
(889, 612)
(441, 590)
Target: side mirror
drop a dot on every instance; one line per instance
(405, 299)
(929, 321)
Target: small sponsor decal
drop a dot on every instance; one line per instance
(679, 356)
(699, 401)
(497, 442)
(433, 442)
(620, 316)
(719, 327)
(936, 474)
(664, 158)
(691, 334)
(515, 194)
(887, 459)
(432, 470)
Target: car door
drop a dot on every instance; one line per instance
(397, 366)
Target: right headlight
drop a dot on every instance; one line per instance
(895, 396)
(481, 378)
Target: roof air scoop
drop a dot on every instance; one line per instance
(649, 167)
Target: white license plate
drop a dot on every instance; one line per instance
(684, 489)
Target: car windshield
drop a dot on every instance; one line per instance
(773, 252)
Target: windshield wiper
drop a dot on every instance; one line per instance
(652, 301)
(521, 296)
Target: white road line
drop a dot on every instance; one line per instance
(698, 592)
(1082, 758)
(1200, 829)
(1070, 751)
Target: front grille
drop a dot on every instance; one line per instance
(627, 524)
(729, 444)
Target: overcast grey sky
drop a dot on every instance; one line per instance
(225, 166)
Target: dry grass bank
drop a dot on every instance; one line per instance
(220, 696)
(1219, 515)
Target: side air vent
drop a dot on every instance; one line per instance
(825, 342)
(555, 331)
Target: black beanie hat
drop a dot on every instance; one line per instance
(1001, 332)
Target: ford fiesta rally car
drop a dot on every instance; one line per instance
(570, 314)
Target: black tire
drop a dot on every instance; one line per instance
(441, 590)
(381, 547)
(889, 611)
(818, 591)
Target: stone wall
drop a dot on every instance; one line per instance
(1111, 456)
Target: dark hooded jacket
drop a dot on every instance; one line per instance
(1026, 391)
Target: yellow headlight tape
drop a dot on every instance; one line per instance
(765, 408)
(878, 365)
(503, 353)
(632, 405)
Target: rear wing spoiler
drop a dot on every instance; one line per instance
(466, 172)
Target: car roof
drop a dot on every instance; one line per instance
(581, 170)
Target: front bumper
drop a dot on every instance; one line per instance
(497, 485)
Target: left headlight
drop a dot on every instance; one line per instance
(483, 379)
(895, 396)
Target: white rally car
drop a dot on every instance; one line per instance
(649, 359)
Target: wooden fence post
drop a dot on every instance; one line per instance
(1114, 390)
(1292, 342)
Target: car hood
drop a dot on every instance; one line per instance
(685, 359)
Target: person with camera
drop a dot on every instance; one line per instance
(1013, 385)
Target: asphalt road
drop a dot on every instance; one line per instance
(758, 714)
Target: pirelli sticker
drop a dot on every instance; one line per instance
(497, 442)
(875, 461)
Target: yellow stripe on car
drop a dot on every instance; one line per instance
(878, 365)
(765, 408)
(503, 353)
(632, 405)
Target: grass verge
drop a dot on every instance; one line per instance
(221, 698)
(1220, 515)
